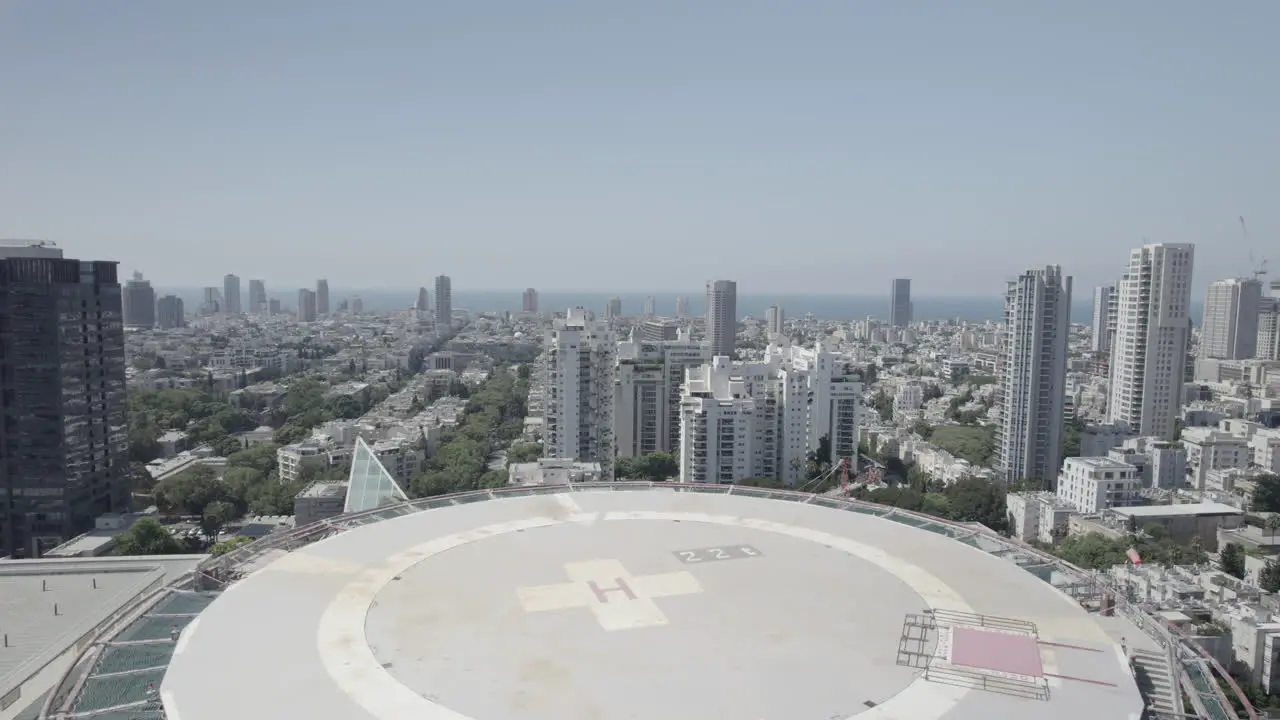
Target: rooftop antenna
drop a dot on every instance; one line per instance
(1258, 268)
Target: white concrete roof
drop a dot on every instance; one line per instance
(1206, 508)
(640, 604)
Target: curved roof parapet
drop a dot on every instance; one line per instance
(370, 485)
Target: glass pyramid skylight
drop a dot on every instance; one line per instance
(370, 485)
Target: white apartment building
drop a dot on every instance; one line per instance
(1093, 484)
(789, 403)
(1211, 449)
(1229, 330)
(1038, 516)
(1103, 323)
(579, 391)
(1268, 344)
(774, 319)
(909, 398)
(1149, 360)
(444, 305)
(1032, 374)
(648, 382)
(722, 316)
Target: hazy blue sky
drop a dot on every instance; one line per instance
(793, 146)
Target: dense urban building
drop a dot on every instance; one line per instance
(322, 297)
(307, 305)
(648, 382)
(1229, 330)
(231, 294)
(257, 296)
(169, 313)
(1032, 375)
(1103, 321)
(139, 303)
(579, 374)
(1153, 330)
(444, 304)
(774, 318)
(63, 433)
(900, 307)
(722, 316)
(740, 420)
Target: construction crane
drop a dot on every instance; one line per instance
(1258, 268)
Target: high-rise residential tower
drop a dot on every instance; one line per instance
(648, 380)
(444, 305)
(212, 302)
(578, 415)
(1032, 373)
(257, 296)
(722, 316)
(231, 294)
(530, 301)
(612, 308)
(423, 304)
(900, 308)
(170, 313)
(139, 303)
(1103, 322)
(322, 297)
(682, 306)
(1269, 324)
(774, 319)
(650, 306)
(63, 427)
(762, 419)
(1229, 330)
(307, 311)
(1153, 331)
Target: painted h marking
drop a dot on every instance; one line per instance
(618, 599)
(602, 594)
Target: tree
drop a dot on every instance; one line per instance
(1266, 493)
(1232, 560)
(147, 537)
(523, 453)
(1273, 524)
(1269, 577)
(190, 491)
(216, 514)
(974, 499)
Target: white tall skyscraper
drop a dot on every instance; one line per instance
(444, 304)
(579, 391)
(722, 316)
(682, 306)
(139, 301)
(1153, 329)
(774, 319)
(257, 296)
(1033, 375)
(1103, 323)
(307, 305)
(1229, 330)
(900, 308)
(322, 297)
(231, 294)
(647, 385)
(761, 419)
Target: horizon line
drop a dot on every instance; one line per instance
(560, 291)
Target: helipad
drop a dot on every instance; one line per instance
(644, 605)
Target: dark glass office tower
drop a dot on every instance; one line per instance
(63, 434)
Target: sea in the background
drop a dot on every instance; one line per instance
(842, 307)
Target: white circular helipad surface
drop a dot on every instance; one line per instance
(568, 620)
(603, 606)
